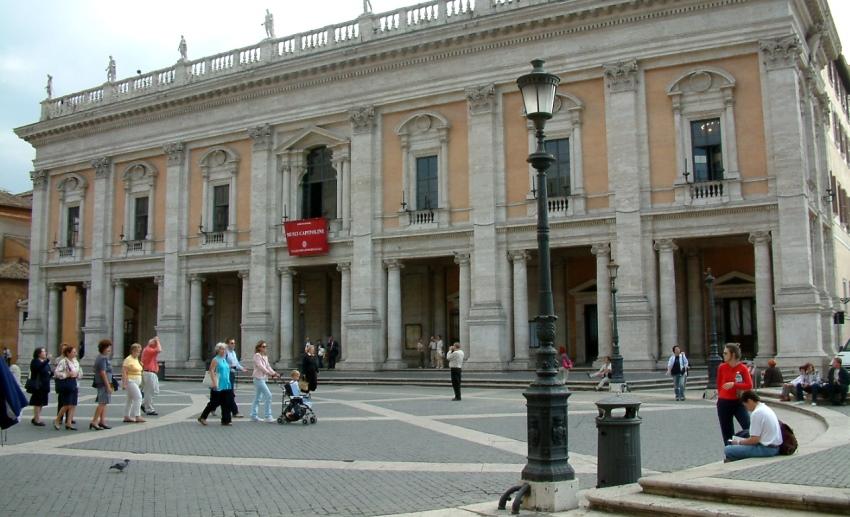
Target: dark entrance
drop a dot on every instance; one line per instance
(740, 324)
(591, 333)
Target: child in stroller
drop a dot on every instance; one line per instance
(296, 405)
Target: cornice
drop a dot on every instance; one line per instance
(491, 29)
(704, 212)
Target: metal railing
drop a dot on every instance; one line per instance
(707, 190)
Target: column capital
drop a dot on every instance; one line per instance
(286, 270)
(39, 179)
(195, 277)
(391, 264)
(53, 286)
(86, 284)
(262, 137)
(780, 52)
(518, 256)
(759, 237)
(119, 282)
(343, 267)
(462, 259)
(175, 152)
(621, 76)
(158, 279)
(362, 118)
(102, 167)
(601, 248)
(665, 245)
(243, 274)
(480, 98)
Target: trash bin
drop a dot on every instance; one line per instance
(618, 454)
(161, 373)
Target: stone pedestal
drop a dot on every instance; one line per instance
(558, 496)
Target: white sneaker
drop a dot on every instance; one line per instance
(814, 403)
(255, 419)
(270, 420)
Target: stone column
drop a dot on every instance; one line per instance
(97, 326)
(160, 295)
(33, 329)
(365, 333)
(764, 297)
(602, 251)
(172, 328)
(667, 293)
(118, 286)
(344, 269)
(438, 283)
(462, 260)
(798, 325)
(196, 319)
(626, 180)
(696, 333)
(394, 334)
(486, 322)
(80, 310)
(246, 338)
(287, 325)
(520, 303)
(54, 317)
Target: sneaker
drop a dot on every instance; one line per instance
(798, 402)
(814, 403)
(238, 415)
(270, 420)
(151, 413)
(255, 419)
(202, 421)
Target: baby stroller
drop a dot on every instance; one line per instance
(295, 406)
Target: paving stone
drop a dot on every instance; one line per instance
(827, 468)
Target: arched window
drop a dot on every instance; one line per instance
(318, 186)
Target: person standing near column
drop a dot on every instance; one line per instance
(442, 351)
(131, 379)
(235, 365)
(732, 376)
(677, 366)
(150, 379)
(455, 357)
(333, 352)
(436, 355)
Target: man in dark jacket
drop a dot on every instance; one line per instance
(835, 387)
(333, 351)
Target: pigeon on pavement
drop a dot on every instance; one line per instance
(120, 466)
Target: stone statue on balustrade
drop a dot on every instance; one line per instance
(367, 6)
(49, 86)
(110, 70)
(268, 24)
(182, 48)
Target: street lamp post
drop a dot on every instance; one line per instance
(616, 359)
(211, 330)
(302, 301)
(714, 359)
(549, 480)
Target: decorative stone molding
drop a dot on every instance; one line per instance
(665, 245)
(759, 237)
(102, 167)
(343, 266)
(195, 277)
(481, 98)
(461, 259)
(261, 136)
(219, 159)
(362, 118)
(175, 151)
(518, 255)
(781, 52)
(621, 76)
(139, 181)
(424, 134)
(393, 264)
(119, 282)
(243, 274)
(39, 179)
(601, 248)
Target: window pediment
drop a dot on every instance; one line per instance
(312, 137)
(141, 174)
(219, 159)
(704, 84)
(72, 184)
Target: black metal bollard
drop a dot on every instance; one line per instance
(618, 453)
(161, 373)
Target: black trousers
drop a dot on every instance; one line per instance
(223, 398)
(456, 381)
(726, 410)
(332, 360)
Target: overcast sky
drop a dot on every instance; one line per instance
(72, 41)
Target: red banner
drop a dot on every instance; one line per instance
(307, 236)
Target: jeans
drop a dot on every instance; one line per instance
(740, 452)
(801, 389)
(726, 409)
(264, 395)
(679, 386)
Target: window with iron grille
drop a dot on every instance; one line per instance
(72, 228)
(426, 183)
(140, 218)
(558, 174)
(221, 208)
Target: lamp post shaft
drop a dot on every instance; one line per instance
(616, 358)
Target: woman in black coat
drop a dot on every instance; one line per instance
(310, 368)
(40, 371)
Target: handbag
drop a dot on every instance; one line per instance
(31, 385)
(114, 382)
(207, 379)
(66, 385)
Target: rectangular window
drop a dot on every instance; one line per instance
(72, 228)
(221, 208)
(426, 183)
(140, 218)
(707, 150)
(558, 174)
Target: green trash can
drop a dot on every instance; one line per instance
(618, 453)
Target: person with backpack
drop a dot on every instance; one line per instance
(677, 367)
(765, 433)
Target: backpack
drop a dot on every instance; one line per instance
(566, 363)
(789, 441)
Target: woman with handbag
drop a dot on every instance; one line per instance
(38, 384)
(131, 379)
(733, 377)
(67, 373)
(221, 390)
(103, 383)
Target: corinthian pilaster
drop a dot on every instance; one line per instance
(102, 167)
(362, 119)
(781, 52)
(621, 76)
(481, 98)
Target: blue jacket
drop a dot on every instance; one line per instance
(12, 398)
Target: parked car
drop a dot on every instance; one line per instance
(844, 354)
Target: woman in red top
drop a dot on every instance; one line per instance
(731, 377)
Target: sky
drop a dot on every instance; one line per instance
(72, 41)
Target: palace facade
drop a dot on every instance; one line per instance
(688, 134)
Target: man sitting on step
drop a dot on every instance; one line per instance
(765, 435)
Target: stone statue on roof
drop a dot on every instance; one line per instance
(49, 86)
(268, 24)
(110, 70)
(182, 48)
(367, 6)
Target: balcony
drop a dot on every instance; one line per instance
(425, 219)
(138, 247)
(706, 193)
(218, 239)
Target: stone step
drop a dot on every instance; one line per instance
(632, 500)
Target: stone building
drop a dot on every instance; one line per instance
(688, 135)
(14, 267)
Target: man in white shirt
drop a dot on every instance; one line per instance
(455, 357)
(765, 435)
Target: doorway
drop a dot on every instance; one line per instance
(591, 333)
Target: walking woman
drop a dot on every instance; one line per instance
(103, 383)
(221, 391)
(67, 373)
(732, 377)
(131, 379)
(262, 371)
(41, 372)
(310, 368)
